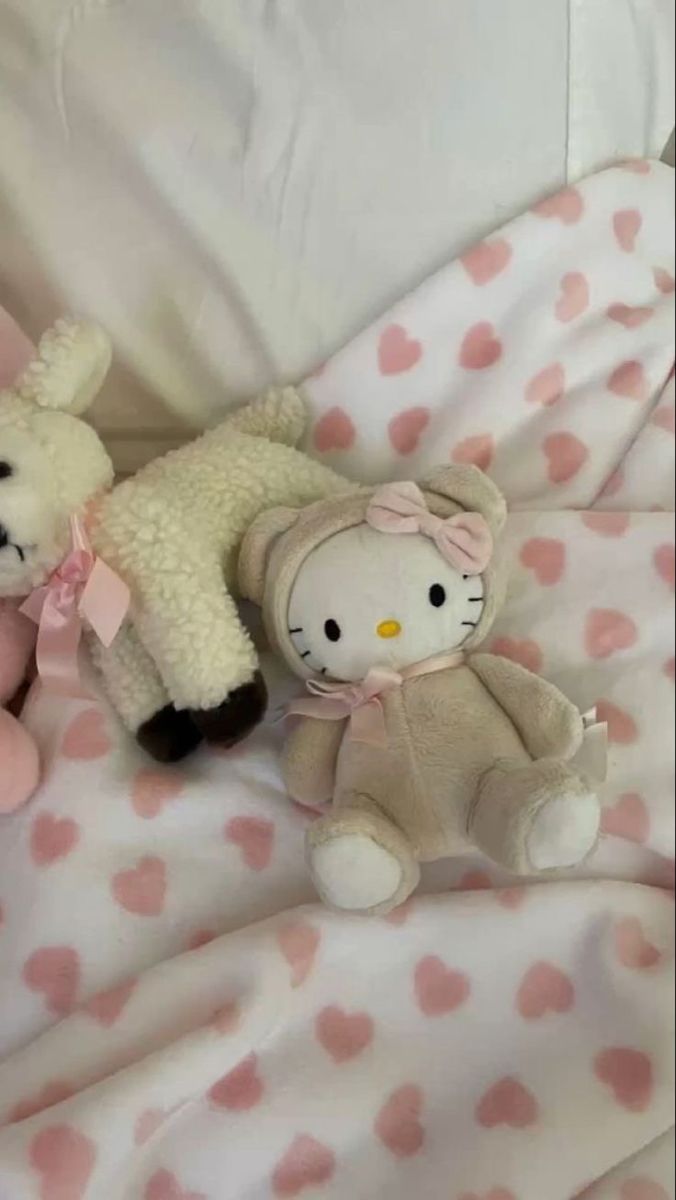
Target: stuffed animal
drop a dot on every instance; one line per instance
(424, 748)
(145, 566)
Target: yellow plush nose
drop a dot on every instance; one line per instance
(388, 629)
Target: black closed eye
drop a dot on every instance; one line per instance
(437, 595)
(332, 630)
(6, 469)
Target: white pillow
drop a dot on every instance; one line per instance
(236, 187)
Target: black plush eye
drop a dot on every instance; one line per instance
(332, 631)
(5, 470)
(437, 595)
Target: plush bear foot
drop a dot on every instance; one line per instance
(360, 864)
(169, 736)
(19, 764)
(564, 831)
(236, 717)
(534, 818)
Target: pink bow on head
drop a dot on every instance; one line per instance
(464, 540)
(82, 587)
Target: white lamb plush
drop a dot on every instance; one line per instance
(182, 666)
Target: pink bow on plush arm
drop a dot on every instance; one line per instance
(464, 540)
(83, 587)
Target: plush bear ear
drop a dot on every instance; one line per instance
(257, 547)
(469, 487)
(72, 363)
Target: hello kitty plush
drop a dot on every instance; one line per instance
(425, 748)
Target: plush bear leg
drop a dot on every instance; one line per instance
(360, 861)
(19, 764)
(136, 691)
(535, 818)
(191, 628)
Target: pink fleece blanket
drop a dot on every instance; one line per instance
(180, 1019)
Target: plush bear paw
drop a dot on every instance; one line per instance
(236, 717)
(169, 735)
(353, 872)
(564, 830)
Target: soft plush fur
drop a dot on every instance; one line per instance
(182, 667)
(477, 755)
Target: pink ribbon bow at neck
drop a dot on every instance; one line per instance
(361, 702)
(82, 588)
(464, 540)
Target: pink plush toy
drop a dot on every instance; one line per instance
(19, 764)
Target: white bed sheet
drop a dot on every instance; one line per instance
(236, 187)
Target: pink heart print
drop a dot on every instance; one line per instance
(544, 989)
(105, 1007)
(343, 1035)
(406, 429)
(607, 632)
(628, 818)
(397, 352)
(398, 1124)
(548, 386)
(546, 558)
(566, 206)
(241, 1089)
(566, 456)
(153, 789)
(629, 1075)
(299, 943)
(574, 297)
(86, 738)
(481, 348)
(142, 889)
(255, 837)
(627, 225)
(64, 1159)
(478, 451)
(439, 989)
(54, 971)
(629, 381)
(306, 1164)
(334, 431)
(163, 1185)
(622, 728)
(52, 838)
(632, 946)
(632, 317)
(523, 651)
(485, 261)
(509, 1103)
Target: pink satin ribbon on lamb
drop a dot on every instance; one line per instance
(464, 540)
(361, 702)
(82, 588)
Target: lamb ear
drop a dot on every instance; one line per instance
(257, 546)
(72, 363)
(470, 487)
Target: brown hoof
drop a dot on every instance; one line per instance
(169, 735)
(236, 717)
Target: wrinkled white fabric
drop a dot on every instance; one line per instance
(236, 187)
(181, 1020)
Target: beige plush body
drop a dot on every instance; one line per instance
(475, 755)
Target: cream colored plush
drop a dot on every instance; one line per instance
(183, 666)
(476, 755)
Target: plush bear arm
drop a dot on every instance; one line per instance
(549, 725)
(310, 756)
(280, 415)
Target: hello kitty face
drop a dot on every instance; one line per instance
(363, 598)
